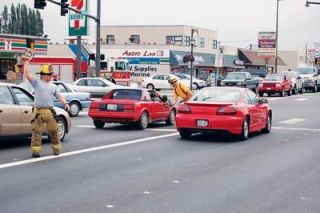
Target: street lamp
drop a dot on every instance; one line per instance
(277, 28)
(192, 43)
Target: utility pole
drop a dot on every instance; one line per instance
(306, 54)
(277, 28)
(98, 38)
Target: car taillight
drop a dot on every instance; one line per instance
(128, 107)
(94, 105)
(184, 109)
(228, 110)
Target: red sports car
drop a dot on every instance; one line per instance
(232, 110)
(131, 105)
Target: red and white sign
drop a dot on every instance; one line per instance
(267, 44)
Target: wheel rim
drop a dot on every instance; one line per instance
(173, 117)
(144, 120)
(150, 87)
(245, 129)
(74, 109)
(269, 123)
(61, 129)
(194, 86)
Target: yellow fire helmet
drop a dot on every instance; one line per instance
(46, 69)
(172, 79)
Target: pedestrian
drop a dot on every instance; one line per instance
(43, 111)
(180, 91)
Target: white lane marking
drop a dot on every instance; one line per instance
(292, 121)
(85, 126)
(295, 129)
(29, 161)
(163, 130)
(301, 99)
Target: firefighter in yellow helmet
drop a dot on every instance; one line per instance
(180, 91)
(44, 93)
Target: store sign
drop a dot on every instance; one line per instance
(78, 23)
(238, 62)
(7, 44)
(266, 44)
(317, 50)
(142, 53)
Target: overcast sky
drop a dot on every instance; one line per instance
(236, 21)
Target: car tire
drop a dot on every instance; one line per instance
(98, 124)
(282, 93)
(185, 133)
(269, 94)
(245, 129)
(172, 118)
(289, 92)
(295, 90)
(195, 86)
(314, 90)
(74, 109)
(267, 128)
(261, 94)
(143, 121)
(62, 128)
(150, 87)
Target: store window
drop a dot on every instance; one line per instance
(214, 44)
(110, 39)
(202, 42)
(174, 40)
(186, 40)
(135, 39)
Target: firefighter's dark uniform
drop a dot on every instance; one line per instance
(44, 113)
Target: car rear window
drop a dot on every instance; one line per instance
(274, 77)
(217, 95)
(126, 94)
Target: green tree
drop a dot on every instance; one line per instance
(5, 19)
(32, 24)
(24, 20)
(39, 23)
(13, 21)
(18, 15)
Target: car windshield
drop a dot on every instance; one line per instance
(128, 94)
(236, 76)
(217, 95)
(305, 70)
(274, 78)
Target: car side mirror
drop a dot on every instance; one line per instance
(263, 101)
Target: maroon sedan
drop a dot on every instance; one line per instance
(131, 106)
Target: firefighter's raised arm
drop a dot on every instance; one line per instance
(26, 72)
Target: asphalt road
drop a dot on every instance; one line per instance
(121, 169)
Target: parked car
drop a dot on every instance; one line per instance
(309, 77)
(233, 110)
(77, 100)
(16, 113)
(240, 79)
(275, 83)
(97, 87)
(157, 82)
(318, 83)
(211, 79)
(296, 81)
(131, 106)
(196, 82)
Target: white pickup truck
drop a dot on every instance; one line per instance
(309, 77)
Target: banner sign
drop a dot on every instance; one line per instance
(78, 23)
(266, 44)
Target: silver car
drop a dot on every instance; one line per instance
(16, 113)
(97, 87)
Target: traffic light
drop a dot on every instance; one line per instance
(39, 4)
(64, 7)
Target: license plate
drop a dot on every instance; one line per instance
(202, 123)
(268, 88)
(112, 107)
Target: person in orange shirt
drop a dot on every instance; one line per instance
(180, 91)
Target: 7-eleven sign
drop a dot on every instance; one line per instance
(78, 24)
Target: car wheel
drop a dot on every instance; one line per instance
(269, 94)
(195, 86)
(245, 129)
(98, 124)
(185, 133)
(143, 121)
(150, 86)
(74, 109)
(302, 90)
(295, 90)
(267, 129)
(62, 128)
(261, 94)
(282, 93)
(172, 118)
(289, 92)
(314, 90)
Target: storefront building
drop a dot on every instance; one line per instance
(12, 46)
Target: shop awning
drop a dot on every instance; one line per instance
(232, 61)
(201, 59)
(252, 58)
